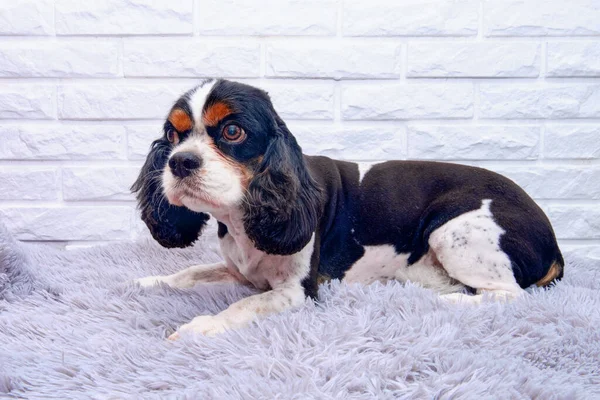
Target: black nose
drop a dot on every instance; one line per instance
(182, 164)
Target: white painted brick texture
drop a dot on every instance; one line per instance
(480, 60)
(410, 18)
(191, 58)
(572, 59)
(59, 58)
(123, 17)
(267, 17)
(473, 142)
(399, 101)
(512, 85)
(27, 17)
(333, 59)
(27, 100)
(541, 18)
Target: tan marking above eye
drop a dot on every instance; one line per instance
(180, 120)
(215, 113)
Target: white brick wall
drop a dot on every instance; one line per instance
(511, 85)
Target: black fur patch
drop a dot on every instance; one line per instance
(283, 201)
(311, 282)
(221, 230)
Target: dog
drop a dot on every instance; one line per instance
(287, 220)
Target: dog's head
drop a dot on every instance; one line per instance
(225, 148)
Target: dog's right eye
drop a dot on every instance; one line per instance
(172, 136)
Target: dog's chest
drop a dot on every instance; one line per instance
(264, 271)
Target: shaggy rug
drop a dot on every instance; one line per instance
(73, 326)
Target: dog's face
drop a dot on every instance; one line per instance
(219, 138)
(225, 148)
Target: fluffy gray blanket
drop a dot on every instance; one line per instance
(72, 325)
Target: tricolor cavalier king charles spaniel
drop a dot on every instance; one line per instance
(286, 220)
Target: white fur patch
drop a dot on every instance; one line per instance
(381, 263)
(468, 247)
(262, 270)
(197, 101)
(363, 168)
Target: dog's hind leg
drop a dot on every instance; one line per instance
(189, 277)
(497, 295)
(468, 248)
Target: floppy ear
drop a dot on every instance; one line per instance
(283, 200)
(170, 225)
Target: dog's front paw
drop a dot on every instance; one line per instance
(460, 298)
(150, 281)
(207, 325)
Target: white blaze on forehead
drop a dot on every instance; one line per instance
(197, 101)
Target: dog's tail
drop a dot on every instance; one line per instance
(555, 273)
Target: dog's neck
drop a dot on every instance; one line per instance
(233, 218)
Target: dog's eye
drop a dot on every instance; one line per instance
(233, 133)
(172, 136)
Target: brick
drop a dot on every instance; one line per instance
(572, 141)
(28, 101)
(191, 58)
(541, 18)
(301, 101)
(556, 182)
(479, 60)
(407, 101)
(573, 59)
(410, 18)
(124, 17)
(139, 139)
(98, 183)
(473, 142)
(251, 17)
(57, 59)
(61, 142)
(333, 59)
(516, 101)
(68, 223)
(28, 183)
(121, 100)
(27, 17)
(575, 221)
(352, 143)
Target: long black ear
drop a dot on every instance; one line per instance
(170, 225)
(283, 201)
